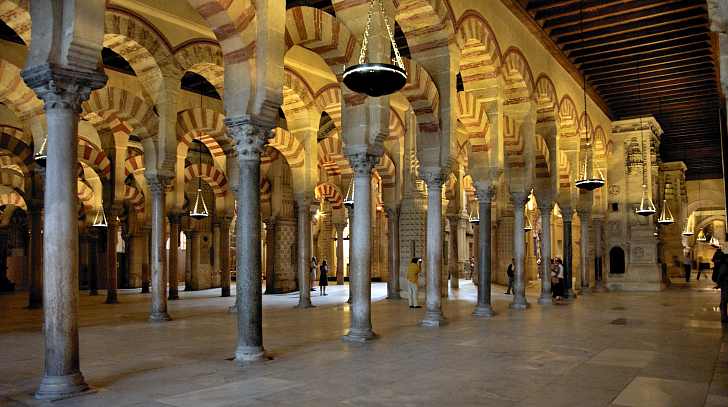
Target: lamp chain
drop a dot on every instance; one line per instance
(365, 41)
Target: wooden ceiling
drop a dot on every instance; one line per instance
(670, 42)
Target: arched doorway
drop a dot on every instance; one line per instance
(616, 260)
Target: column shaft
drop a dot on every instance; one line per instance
(483, 308)
(546, 209)
(393, 242)
(433, 313)
(158, 278)
(174, 230)
(112, 269)
(304, 253)
(195, 260)
(519, 245)
(599, 283)
(35, 298)
(568, 291)
(340, 254)
(585, 219)
(225, 257)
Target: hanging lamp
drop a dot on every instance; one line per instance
(474, 216)
(701, 236)
(42, 154)
(688, 230)
(371, 78)
(199, 211)
(665, 215)
(349, 198)
(647, 207)
(100, 218)
(587, 181)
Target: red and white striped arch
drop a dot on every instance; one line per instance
(518, 77)
(328, 99)
(289, 146)
(15, 15)
(206, 125)
(203, 57)
(564, 172)
(12, 179)
(423, 96)
(298, 101)
(323, 34)
(135, 197)
(329, 192)
(133, 164)
(94, 158)
(513, 143)
(234, 25)
(214, 177)
(543, 163)
(546, 98)
(14, 93)
(124, 106)
(387, 171)
(471, 112)
(13, 198)
(427, 24)
(480, 54)
(21, 153)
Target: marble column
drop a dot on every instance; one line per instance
(483, 308)
(566, 214)
(194, 246)
(584, 220)
(146, 278)
(546, 208)
(270, 255)
(350, 212)
(188, 261)
(63, 90)
(393, 242)
(215, 253)
(452, 258)
(303, 207)
(94, 265)
(599, 282)
(519, 245)
(35, 290)
(340, 253)
(174, 230)
(433, 313)
(112, 266)
(360, 329)
(225, 256)
(250, 138)
(157, 249)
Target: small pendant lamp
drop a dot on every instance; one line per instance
(701, 236)
(474, 217)
(688, 230)
(647, 207)
(199, 211)
(665, 215)
(376, 79)
(42, 154)
(100, 218)
(349, 198)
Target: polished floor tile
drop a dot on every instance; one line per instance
(656, 392)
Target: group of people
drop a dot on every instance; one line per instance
(323, 275)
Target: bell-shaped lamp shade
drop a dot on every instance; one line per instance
(349, 198)
(474, 217)
(42, 154)
(647, 207)
(199, 211)
(688, 230)
(665, 215)
(701, 236)
(588, 182)
(100, 218)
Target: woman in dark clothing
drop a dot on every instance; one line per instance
(323, 277)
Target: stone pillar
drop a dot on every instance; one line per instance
(250, 139)
(174, 230)
(188, 261)
(63, 90)
(483, 307)
(146, 278)
(112, 267)
(566, 218)
(194, 247)
(546, 208)
(94, 264)
(393, 242)
(584, 220)
(35, 290)
(340, 253)
(433, 314)
(350, 212)
(303, 206)
(225, 256)
(157, 248)
(360, 329)
(215, 269)
(270, 255)
(452, 244)
(519, 245)
(599, 283)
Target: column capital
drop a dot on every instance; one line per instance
(62, 88)
(434, 177)
(485, 191)
(546, 206)
(583, 212)
(519, 199)
(250, 137)
(566, 214)
(157, 183)
(339, 226)
(362, 164)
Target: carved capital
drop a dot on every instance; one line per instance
(62, 88)
(433, 177)
(362, 163)
(250, 137)
(157, 183)
(519, 199)
(485, 192)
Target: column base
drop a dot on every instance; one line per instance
(519, 304)
(545, 299)
(62, 387)
(433, 319)
(356, 335)
(159, 317)
(303, 304)
(249, 354)
(483, 311)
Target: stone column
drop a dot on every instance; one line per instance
(519, 283)
(225, 256)
(393, 242)
(157, 248)
(303, 207)
(350, 212)
(546, 208)
(188, 261)
(566, 214)
(584, 220)
(112, 269)
(35, 298)
(433, 314)
(599, 282)
(270, 255)
(360, 329)
(174, 230)
(452, 259)
(63, 90)
(194, 246)
(483, 308)
(340, 253)
(146, 278)
(94, 264)
(215, 253)
(250, 139)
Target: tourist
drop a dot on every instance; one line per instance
(323, 277)
(687, 266)
(511, 272)
(557, 280)
(472, 267)
(413, 276)
(717, 258)
(312, 276)
(722, 280)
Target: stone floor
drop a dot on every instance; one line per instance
(609, 349)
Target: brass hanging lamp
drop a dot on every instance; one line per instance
(372, 78)
(349, 198)
(666, 217)
(701, 236)
(474, 216)
(647, 207)
(199, 211)
(42, 154)
(688, 230)
(100, 218)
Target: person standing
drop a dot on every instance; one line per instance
(472, 267)
(323, 277)
(312, 276)
(511, 272)
(721, 279)
(413, 276)
(557, 280)
(717, 259)
(687, 268)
